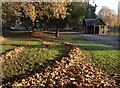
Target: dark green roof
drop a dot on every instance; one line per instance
(89, 22)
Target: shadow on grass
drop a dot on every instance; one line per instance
(17, 45)
(24, 75)
(6, 51)
(90, 45)
(28, 46)
(97, 47)
(16, 34)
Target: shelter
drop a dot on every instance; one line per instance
(94, 26)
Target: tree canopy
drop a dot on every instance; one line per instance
(50, 14)
(109, 16)
(40, 10)
(77, 14)
(36, 9)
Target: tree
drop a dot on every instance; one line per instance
(33, 10)
(118, 21)
(108, 15)
(57, 15)
(77, 14)
(90, 11)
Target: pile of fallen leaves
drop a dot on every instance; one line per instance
(48, 45)
(69, 72)
(42, 35)
(12, 53)
(2, 38)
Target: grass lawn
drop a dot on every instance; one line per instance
(34, 55)
(10, 44)
(31, 59)
(105, 57)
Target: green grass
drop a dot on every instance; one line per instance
(31, 59)
(10, 44)
(105, 57)
(13, 40)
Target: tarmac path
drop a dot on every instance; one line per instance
(105, 39)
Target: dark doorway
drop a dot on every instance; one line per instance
(97, 30)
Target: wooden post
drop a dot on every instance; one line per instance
(86, 29)
(94, 29)
(91, 29)
(105, 29)
(99, 29)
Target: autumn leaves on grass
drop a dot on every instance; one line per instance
(42, 35)
(14, 53)
(70, 71)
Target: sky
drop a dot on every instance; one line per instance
(112, 4)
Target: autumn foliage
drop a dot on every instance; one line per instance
(69, 72)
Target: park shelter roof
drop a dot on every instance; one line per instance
(97, 21)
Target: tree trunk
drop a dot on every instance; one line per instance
(45, 28)
(57, 32)
(33, 26)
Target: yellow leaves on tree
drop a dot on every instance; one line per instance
(29, 10)
(59, 10)
(108, 15)
(37, 9)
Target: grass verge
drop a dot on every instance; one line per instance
(105, 57)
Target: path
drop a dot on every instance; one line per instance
(105, 39)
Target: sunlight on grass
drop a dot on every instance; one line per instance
(10, 44)
(105, 57)
(31, 59)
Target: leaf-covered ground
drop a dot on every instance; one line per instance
(79, 68)
(69, 72)
(28, 57)
(105, 57)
